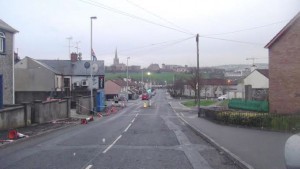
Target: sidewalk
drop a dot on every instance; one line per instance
(260, 149)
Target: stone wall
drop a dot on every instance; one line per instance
(51, 110)
(15, 116)
(83, 105)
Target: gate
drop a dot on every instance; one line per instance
(1, 92)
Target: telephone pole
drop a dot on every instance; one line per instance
(198, 78)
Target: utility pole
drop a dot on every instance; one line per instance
(198, 78)
(142, 79)
(91, 85)
(127, 79)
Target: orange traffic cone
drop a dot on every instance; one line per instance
(14, 134)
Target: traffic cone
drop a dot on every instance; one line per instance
(91, 118)
(14, 134)
(84, 121)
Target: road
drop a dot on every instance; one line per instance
(135, 137)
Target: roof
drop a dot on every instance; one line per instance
(6, 27)
(283, 30)
(46, 66)
(120, 82)
(264, 72)
(216, 82)
(66, 67)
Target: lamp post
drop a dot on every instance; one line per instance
(127, 79)
(149, 73)
(228, 83)
(91, 85)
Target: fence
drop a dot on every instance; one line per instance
(251, 105)
(281, 122)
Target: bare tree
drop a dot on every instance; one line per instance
(192, 81)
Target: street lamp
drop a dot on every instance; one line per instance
(127, 79)
(91, 85)
(149, 73)
(228, 83)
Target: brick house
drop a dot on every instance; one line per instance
(6, 63)
(284, 69)
(118, 88)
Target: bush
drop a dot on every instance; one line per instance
(261, 120)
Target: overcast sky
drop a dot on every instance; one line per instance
(149, 31)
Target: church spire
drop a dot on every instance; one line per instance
(116, 53)
(116, 59)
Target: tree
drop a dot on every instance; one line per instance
(192, 81)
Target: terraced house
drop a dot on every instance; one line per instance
(6, 63)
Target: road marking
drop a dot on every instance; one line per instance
(136, 115)
(110, 146)
(127, 127)
(74, 154)
(132, 120)
(103, 140)
(181, 114)
(89, 166)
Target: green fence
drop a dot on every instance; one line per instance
(251, 105)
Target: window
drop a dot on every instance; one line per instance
(2, 42)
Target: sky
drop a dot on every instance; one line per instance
(149, 31)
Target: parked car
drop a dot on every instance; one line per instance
(223, 97)
(145, 96)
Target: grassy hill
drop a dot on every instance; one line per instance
(160, 78)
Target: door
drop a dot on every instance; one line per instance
(1, 92)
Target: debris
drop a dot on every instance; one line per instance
(6, 141)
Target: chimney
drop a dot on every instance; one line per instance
(74, 57)
(253, 67)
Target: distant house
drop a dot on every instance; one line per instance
(257, 85)
(118, 88)
(6, 63)
(113, 88)
(39, 79)
(154, 67)
(211, 88)
(284, 69)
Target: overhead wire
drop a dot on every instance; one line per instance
(230, 40)
(151, 45)
(153, 14)
(246, 29)
(100, 5)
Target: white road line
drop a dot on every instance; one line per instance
(110, 146)
(127, 127)
(89, 166)
(132, 120)
(181, 114)
(136, 115)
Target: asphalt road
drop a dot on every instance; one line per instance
(135, 137)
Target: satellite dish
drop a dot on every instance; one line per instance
(86, 65)
(95, 67)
